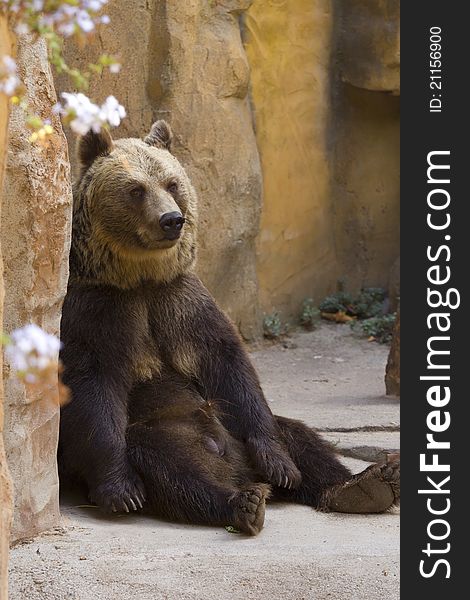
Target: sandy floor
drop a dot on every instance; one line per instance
(331, 380)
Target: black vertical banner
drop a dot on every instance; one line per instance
(435, 330)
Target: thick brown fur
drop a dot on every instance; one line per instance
(189, 463)
(167, 411)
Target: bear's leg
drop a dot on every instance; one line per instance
(180, 489)
(327, 484)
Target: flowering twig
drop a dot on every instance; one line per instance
(10, 83)
(31, 351)
(33, 356)
(55, 20)
(66, 17)
(82, 115)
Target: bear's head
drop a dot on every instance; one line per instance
(134, 211)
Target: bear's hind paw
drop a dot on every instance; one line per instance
(375, 490)
(249, 508)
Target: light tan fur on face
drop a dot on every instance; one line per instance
(125, 165)
(102, 225)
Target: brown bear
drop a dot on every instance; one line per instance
(167, 413)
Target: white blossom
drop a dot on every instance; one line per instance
(32, 351)
(83, 115)
(9, 64)
(112, 112)
(65, 18)
(95, 5)
(11, 6)
(21, 29)
(9, 80)
(84, 21)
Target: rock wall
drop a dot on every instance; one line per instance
(370, 43)
(392, 372)
(365, 186)
(288, 44)
(35, 234)
(185, 62)
(7, 47)
(365, 141)
(324, 79)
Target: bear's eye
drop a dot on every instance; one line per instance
(137, 192)
(172, 187)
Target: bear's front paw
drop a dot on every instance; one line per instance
(121, 493)
(274, 463)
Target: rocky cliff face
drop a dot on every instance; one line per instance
(35, 231)
(289, 48)
(365, 140)
(324, 84)
(369, 32)
(392, 372)
(7, 43)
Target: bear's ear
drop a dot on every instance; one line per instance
(160, 136)
(92, 145)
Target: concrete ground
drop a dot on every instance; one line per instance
(333, 381)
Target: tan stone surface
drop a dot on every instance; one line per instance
(35, 238)
(288, 45)
(185, 62)
(6, 492)
(392, 374)
(394, 285)
(370, 44)
(366, 185)
(329, 151)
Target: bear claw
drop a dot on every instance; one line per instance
(274, 463)
(119, 495)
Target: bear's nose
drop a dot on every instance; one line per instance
(172, 222)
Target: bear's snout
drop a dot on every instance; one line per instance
(172, 224)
